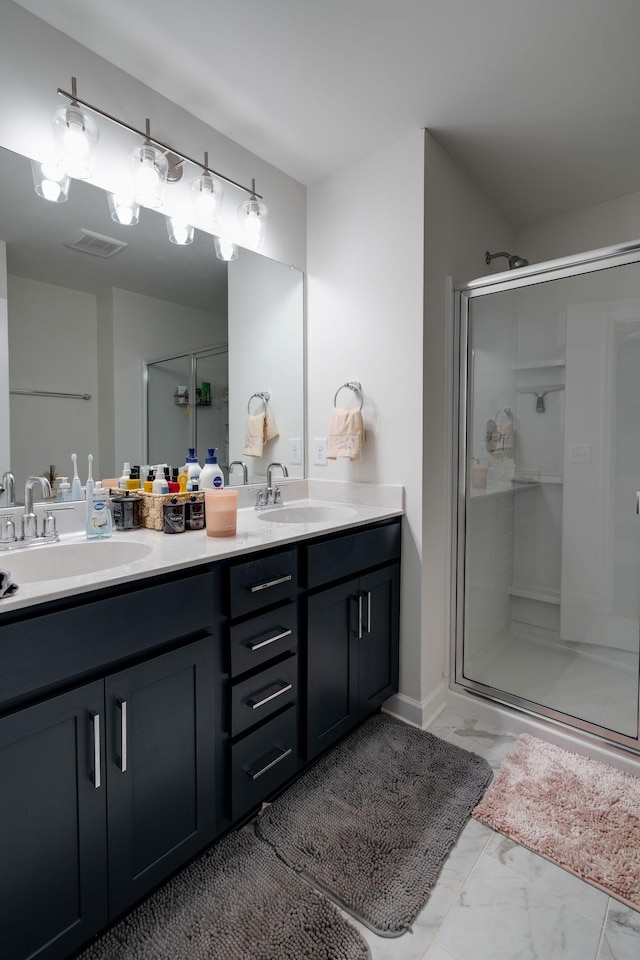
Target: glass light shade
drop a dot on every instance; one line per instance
(75, 134)
(123, 209)
(206, 195)
(51, 181)
(149, 168)
(225, 248)
(252, 220)
(179, 231)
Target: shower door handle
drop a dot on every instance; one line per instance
(638, 501)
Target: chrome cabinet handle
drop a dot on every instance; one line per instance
(270, 583)
(123, 734)
(638, 502)
(359, 616)
(265, 643)
(95, 719)
(258, 773)
(368, 595)
(254, 704)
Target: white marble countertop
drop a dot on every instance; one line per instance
(167, 553)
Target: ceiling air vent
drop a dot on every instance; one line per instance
(96, 244)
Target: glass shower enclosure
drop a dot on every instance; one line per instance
(547, 553)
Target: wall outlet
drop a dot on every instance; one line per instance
(295, 451)
(320, 451)
(580, 452)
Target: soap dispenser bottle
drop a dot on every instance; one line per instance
(193, 465)
(211, 477)
(99, 522)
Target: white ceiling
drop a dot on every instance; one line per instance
(539, 100)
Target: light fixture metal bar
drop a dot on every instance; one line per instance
(163, 146)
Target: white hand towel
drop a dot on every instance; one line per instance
(261, 428)
(345, 436)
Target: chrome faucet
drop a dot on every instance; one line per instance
(271, 496)
(9, 484)
(29, 519)
(245, 472)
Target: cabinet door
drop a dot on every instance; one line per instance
(53, 888)
(160, 765)
(332, 666)
(379, 641)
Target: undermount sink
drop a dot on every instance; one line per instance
(57, 561)
(308, 513)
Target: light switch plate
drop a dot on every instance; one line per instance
(580, 452)
(320, 451)
(295, 451)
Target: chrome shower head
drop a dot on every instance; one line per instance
(514, 260)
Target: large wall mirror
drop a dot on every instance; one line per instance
(93, 325)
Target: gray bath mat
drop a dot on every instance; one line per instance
(236, 902)
(373, 821)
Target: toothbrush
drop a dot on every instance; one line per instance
(76, 487)
(89, 487)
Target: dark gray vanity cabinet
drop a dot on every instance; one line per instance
(53, 839)
(111, 785)
(352, 631)
(264, 678)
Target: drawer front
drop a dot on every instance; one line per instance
(257, 698)
(257, 641)
(258, 583)
(51, 648)
(262, 761)
(348, 555)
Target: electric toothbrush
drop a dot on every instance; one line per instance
(89, 487)
(76, 486)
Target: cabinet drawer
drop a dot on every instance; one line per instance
(262, 761)
(259, 640)
(348, 555)
(258, 583)
(257, 698)
(53, 648)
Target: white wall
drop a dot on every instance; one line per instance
(601, 225)
(460, 224)
(365, 309)
(53, 346)
(36, 59)
(140, 324)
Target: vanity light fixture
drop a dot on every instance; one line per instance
(123, 209)
(206, 194)
(252, 218)
(152, 165)
(149, 170)
(75, 134)
(180, 232)
(225, 248)
(51, 181)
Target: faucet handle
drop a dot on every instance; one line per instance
(49, 529)
(261, 499)
(8, 529)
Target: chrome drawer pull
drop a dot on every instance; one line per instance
(123, 734)
(271, 583)
(281, 756)
(368, 611)
(265, 643)
(254, 704)
(95, 719)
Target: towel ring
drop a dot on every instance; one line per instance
(262, 395)
(355, 387)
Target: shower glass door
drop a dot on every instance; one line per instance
(548, 574)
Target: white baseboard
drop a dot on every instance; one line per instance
(420, 713)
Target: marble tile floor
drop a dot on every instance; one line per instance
(495, 900)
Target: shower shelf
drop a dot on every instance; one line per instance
(538, 365)
(535, 593)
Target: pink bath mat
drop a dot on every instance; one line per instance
(579, 813)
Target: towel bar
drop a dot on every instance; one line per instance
(351, 385)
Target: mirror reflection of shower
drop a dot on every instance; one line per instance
(514, 260)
